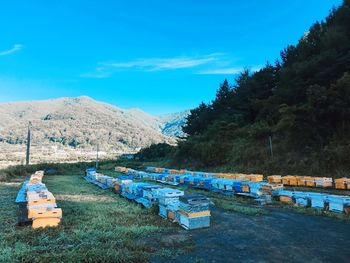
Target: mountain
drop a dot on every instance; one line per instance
(172, 123)
(79, 124)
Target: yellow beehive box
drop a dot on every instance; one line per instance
(44, 212)
(46, 222)
(274, 179)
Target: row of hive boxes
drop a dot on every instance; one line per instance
(239, 176)
(41, 204)
(334, 203)
(309, 181)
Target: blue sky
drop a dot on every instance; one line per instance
(160, 56)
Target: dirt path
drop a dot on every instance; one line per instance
(280, 236)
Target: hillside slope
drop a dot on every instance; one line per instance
(300, 104)
(80, 123)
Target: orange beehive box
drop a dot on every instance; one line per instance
(286, 180)
(293, 180)
(245, 188)
(45, 222)
(309, 181)
(300, 180)
(44, 212)
(342, 183)
(255, 177)
(286, 199)
(274, 179)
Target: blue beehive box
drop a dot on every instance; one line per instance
(301, 199)
(337, 203)
(317, 200)
(162, 211)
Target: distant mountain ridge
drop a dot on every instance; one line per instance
(83, 123)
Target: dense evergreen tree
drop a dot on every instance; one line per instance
(302, 101)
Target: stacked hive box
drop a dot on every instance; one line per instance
(168, 199)
(41, 204)
(193, 212)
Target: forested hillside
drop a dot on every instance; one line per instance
(302, 101)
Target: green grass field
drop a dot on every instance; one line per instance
(100, 226)
(97, 226)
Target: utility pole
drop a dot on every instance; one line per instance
(271, 150)
(97, 157)
(28, 144)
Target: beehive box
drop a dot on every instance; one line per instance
(270, 188)
(193, 222)
(274, 179)
(255, 177)
(44, 212)
(323, 182)
(301, 199)
(45, 222)
(293, 180)
(286, 180)
(318, 200)
(41, 199)
(300, 180)
(309, 181)
(338, 203)
(341, 183)
(285, 196)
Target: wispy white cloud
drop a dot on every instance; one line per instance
(220, 71)
(158, 64)
(106, 69)
(15, 48)
(226, 71)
